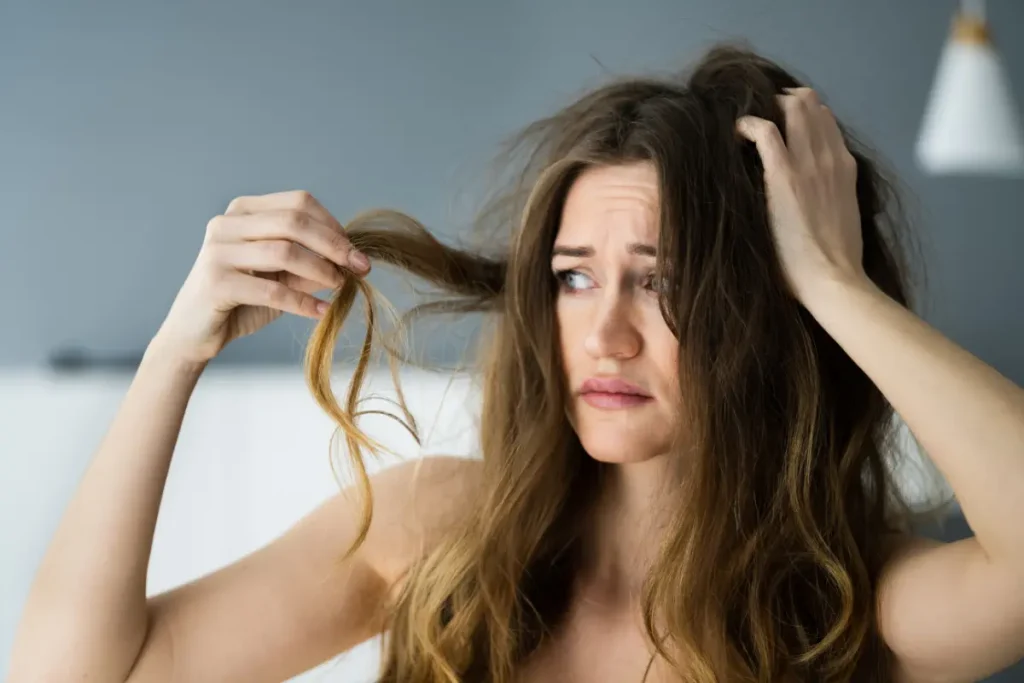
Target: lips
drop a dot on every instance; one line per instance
(613, 393)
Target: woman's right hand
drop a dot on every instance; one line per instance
(266, 255)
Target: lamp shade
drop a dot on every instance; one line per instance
(971, 124)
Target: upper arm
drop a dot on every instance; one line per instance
(948, 613)
(291, 604)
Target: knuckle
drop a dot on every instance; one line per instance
(281, 250)
(809, 95)
(215, 225)
(338, 240)
(790, 103)
(274, 292)
(236, 205)
(302, 200)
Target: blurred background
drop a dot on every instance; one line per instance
(125, 126)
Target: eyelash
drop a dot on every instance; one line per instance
(563, 280)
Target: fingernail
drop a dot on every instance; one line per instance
(359, 260)
(322, 307)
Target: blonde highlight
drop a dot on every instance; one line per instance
(778, 586)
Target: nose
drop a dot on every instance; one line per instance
(612, 333)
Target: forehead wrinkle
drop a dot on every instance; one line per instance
(604, 206)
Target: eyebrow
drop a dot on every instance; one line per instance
(638, 248)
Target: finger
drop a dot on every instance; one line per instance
(808, 95)
(833, 134)
(801, 136)
(280, 256)
(297, 226)
(301, 202)
(824, 127)
(296, 200)
(770, 146)
(302, 284)
(827, 138)
(240, 289)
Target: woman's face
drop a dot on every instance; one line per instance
(619, 355)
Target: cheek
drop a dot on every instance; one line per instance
(668, 366)
(663, 351)
(570, 329)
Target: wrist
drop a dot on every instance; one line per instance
(824, 288)
(161, 352)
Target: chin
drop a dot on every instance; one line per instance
(620, 446)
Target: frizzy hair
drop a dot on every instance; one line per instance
(769, 569)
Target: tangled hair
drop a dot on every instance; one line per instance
(770, 571)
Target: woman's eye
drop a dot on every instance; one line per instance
(652, 283)
(573, 280)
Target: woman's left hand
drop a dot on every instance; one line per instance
(810, 180)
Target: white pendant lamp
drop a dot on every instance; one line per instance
(971, 124)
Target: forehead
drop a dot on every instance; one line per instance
(608, 202)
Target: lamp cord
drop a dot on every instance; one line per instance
(973, 8)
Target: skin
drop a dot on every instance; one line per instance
(949, 612)
(610, 326)
(608, 317)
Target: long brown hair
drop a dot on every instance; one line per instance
(769, 570)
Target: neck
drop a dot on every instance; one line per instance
(626, 531)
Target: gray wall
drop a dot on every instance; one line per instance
(124, 126)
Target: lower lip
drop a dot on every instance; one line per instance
(614, 401)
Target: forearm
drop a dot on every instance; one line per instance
(968, 417)
(87, 606)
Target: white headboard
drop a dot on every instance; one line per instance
(251, 460)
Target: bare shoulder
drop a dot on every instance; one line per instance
(415, 504)
(292, 604)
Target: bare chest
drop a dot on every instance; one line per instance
(594, 648)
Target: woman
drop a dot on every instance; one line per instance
(700, 332)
